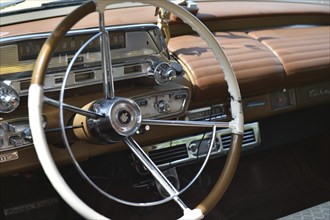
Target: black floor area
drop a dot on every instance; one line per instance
(280, 181)
(267, 185)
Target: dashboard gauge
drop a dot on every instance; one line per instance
(9, 98)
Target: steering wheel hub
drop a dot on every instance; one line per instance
(122, 118)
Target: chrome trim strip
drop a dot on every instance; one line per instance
(74, 109)
(182, 123)
(153, 169)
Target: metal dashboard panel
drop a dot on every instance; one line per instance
(133, 49)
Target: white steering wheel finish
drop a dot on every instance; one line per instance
(36, 100)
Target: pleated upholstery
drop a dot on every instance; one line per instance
(255, 66)
(262, 60)
(303, 51)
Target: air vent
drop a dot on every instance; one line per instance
(248, 139)
(177, 152)
(169, 154)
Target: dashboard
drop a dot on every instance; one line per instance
(175, 80)
(170, 109)
(137, 52)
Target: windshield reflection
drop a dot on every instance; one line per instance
(23, 6)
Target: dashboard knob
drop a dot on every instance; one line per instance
(163, 73)
(9, 98)
(162, 106)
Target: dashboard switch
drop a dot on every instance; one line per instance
(142, 102)
(16, 141)
(177, 67)
(11, 128)
(2, 131)
(180, 96)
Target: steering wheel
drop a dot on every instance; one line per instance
(114, 107)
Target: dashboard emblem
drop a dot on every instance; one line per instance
(124, 117)
(8, 157)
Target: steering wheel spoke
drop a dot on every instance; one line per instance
(72, 108)
(205, 124)
(154, 170)
(108, 83)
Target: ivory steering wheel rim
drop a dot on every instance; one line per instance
(36, 99)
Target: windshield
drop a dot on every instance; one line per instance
(15, 11)
(23, 6)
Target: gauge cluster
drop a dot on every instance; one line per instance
(171, 103)
(134, 51)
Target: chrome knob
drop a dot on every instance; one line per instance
(162, 106)
(9, 98)
(163, 73)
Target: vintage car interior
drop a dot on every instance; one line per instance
(164, 109)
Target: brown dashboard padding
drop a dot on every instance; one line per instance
(255, 66)
(303, 51)
(231, 10)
